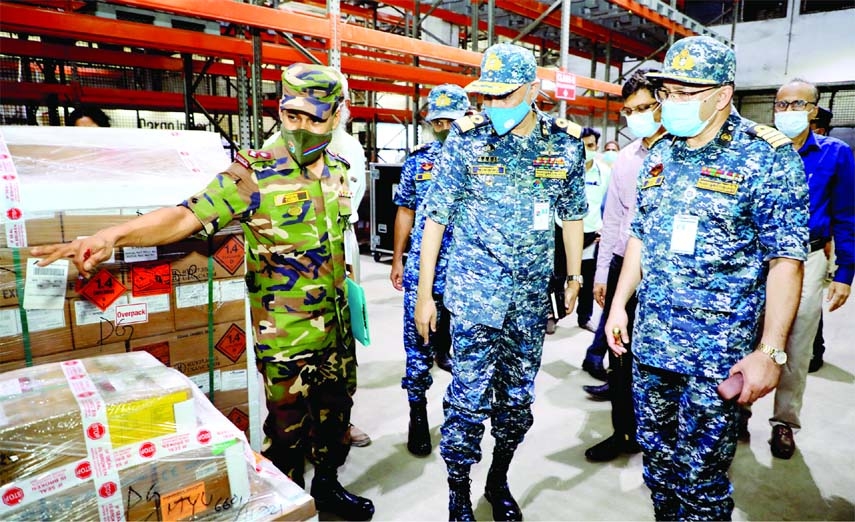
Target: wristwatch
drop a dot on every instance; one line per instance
(779, 356)
(577, 278)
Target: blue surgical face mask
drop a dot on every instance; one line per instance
(683, 118)
(610, 156)
(791, 123)
(590, 154)
(642, 124)
(505, 119)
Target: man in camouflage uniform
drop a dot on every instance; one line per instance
(293, 202)
(720, 232)
(499, 179)
(446, 103)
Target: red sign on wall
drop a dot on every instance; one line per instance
(565, 85)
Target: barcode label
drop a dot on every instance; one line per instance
(46, 271)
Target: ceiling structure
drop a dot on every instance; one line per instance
(65, 41)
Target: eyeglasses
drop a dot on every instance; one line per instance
(662, 94)
(796, 105)
(629, 111)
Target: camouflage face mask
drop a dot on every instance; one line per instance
(305, 146)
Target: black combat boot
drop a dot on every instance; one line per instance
(291, 463)
(331, 497)
(418, 439)
(459, 499)
(497, 492)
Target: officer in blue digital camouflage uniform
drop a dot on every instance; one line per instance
(446, 103)
(500, 178)
(720, 233)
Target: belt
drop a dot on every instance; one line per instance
(818, 244)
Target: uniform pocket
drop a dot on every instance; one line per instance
(700, 313)
(294, 227)
(300, 316)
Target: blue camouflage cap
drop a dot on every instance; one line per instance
(504, 68)
(700, 60)
(309, 88)
(447, 101)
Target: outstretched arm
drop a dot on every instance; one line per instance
(160, 227)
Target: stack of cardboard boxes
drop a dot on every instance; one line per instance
(122, 437)
(183, 303)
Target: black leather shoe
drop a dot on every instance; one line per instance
(505, 507)
(783, 444)
(611, 448)
(595, 371)
(815, 364)
(331, 497)
(443, 361)
(598, 393)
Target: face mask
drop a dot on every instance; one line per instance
(683, 118)
(610, 156)
(791, 123)
(441, 135)
(504, 120)
(642, 124)
(590, 154)
(305, 146)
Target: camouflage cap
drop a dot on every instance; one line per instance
(447, 101)
(699, 60)
(504, 68)
(313, 89)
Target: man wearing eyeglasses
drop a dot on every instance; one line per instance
(830, 170)
(642, 113)
(501, 177)
(720, 234)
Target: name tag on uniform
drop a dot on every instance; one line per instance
(423, 176)
(541, 215)
(292, 197)
(724, 187)
(551, 173)
(684, 234)
(487, 170)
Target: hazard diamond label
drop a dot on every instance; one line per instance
(239, 418)
(233, 343)
(230, 254)
(102, 289)
(151, 279)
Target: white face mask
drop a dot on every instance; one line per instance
(642, 124)
(791, 123)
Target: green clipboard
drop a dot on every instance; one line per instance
(358, 312)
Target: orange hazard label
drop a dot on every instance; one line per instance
(230, 254)
(239, 418)
(160, 351)
(102, 289)
(151, 279)
(233, 343)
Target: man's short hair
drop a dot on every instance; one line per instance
(638, 81)
(588, 131)
(813, 89)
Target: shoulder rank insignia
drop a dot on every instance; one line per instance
(467, 123)
(338, 157)
(250, 157)
(773, 136)
(565, 125)
(421, 146)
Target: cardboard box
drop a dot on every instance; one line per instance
(143, 399)
(48, 332)
(188, 349)
(93, 327)
(191, 302)
(189, 258)
(40, 231)
(106, 349)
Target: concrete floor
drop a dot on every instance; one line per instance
(551, 478)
